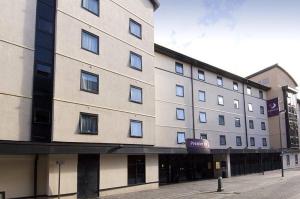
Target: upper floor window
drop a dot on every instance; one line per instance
(249, 91)
(263, 126)
(219, 81)
(238, 141)
(136, 128)
(250, 107)
(262, 110)
(88, 123)
(180, 137)
(179, 68)
(264, 141)
(237, 122)
(135, 28)
(203, 136)
(251, 124)
(201, 95)
(201, 75)
(89, 42)
(261, 94)
(202, 117)
(236, 104)
(41, 116)
(222, 140)
(252, 141)
(220, 100)
(235, 86)
(136, 61)
(136, 94)
(221, 120)
(180, 114)
(91, 5)
(179, 91)
(89, 82)
(43, 70)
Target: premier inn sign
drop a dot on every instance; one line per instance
(273, 108)
(197, 146)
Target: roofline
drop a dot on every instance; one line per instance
(155, 4)
(184, 58)
(270, 68)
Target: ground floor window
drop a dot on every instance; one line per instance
(288, 160)
(296, 159)
(136, 169)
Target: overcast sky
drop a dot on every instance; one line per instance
(241, 36)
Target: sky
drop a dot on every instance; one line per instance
(240, 36)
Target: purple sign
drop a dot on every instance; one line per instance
(197, 146)
(273, 108)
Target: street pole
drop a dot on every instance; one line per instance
(281, 147)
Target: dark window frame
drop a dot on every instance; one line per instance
(91, 115)
(138, 55)
(288, 160)
(240, 141)
(177, 85)
(235, 122)
(200, 117)
(43, 110)
(221, 78)
(220, 137)
(182, 133)
(237, 85)
(93, 35)
(262, 110)
(135, 158)
(263, 126)
(252, 141)
(202, 72)
(220, 123)
(142, 129)
(203, 135)
(261, 94)
(181, 65)
(49, 76)
(141, 28)
(200, 91)
(139, 88)
(180, 109)
(296, 159)
(264, 142)
(220, 96)
(251, 122)
(97, 14)
(92, 74)
(250, 89)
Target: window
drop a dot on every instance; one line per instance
(262, 110)
(179, 68)
(136, 169)
(203, 136)
(136, 128)
(136, 94)
(238, 140)
(88, 123)
(221, 120)
(296, 159)
(43, 70)
(89, 42)
(264, 141)
(201, 96)
(135, 28)
(261, 94)
(219, 81)
(201, 75)
(136, 61)
(222, 140)
(180, 138)
(202, 117)
(288, 160)
(235, 86)
(237, 122)
(252, 141)
(220, 100)
(179, 91)
(251, 124)
(236, 104)
(263, 126)
(41, 116)
(89, 82)
(91, 5)
(180, 114)
(249, 92)
(250, 108)
(45, 26)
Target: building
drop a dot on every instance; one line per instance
(92, 107)
(284, 131)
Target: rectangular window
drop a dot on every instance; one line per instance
(136, 128)
(221, 120)
(219, 81)
(88, 123)
(89, 82)
(135, 28)
(203, 136)
(249, 92)
(237, 122)
(202, 117)
(136, 94)
(180, 137)
(262, 110)
(251, 124)
(179, 91)
(179, 68)
(201, 75)
(180, 114)
(136, 169)
(136, 61)
(236, 104)
(201, 96)
(43, 70)
(235, 86)
(238, 141)
(45, 26)
(89, 42)
(220, 100)
(41, 116)
(222, 140)
(252, 141)
(261, 94)
(264, 141)
(91, 5)
(296, 159)
(250, 107)
(288, 160)
(263, 126)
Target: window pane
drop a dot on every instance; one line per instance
(238, 141)
(135, 28)
(237, 122)
(180, 137)
(179, 68)
(222, 140)
(180, 114)
(201, 75)
(220, 81)
(251, 124)
(89, 82)
(136, 169)
(202, 117)
(235, 86)
(41, 116)
(45, 26)
(250, 108)
(202, 96)
(136, 129)
(43, 70)
(88, 123)
(179, 91)
(90, 42)
(249, 91)
(135, 61)
(136, 94)
(264, 140)
(263, 126)
(220, 100)
(203, 136)
(236, 104)
(261, 95)
(91, 5)
(252, 141)
(221, 120)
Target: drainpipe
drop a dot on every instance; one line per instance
(193, 107)
(245, 115)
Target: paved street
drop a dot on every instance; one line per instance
(256, 186)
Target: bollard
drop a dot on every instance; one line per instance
(220, 185)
